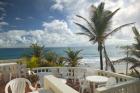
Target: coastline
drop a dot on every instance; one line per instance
(94, 64)
(9, 60)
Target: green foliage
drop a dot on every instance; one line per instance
(37, 50)
(61, 61)
(73, 57)
(136, 47)
(98, 28)
(51, 56)
(53, 59)
(32, 62)
(33, 78)
(134, 50)
(50, 59)
(135, 73)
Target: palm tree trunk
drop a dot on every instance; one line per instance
(101, 56)
(108, 61)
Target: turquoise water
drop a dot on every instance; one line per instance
(87, 52)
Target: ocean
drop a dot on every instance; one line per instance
(90, 54)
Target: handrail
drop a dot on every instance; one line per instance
(132, 86)
(56, 86)
(119, 77)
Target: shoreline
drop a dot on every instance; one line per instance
(120, 68)
(9, 60)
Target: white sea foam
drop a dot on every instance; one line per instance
(95, 64)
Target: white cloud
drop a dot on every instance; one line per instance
(128, 13)
(30, 17)
(58, 7)
(2, 23)
(55, 33)
(62, 33)
(19, 19)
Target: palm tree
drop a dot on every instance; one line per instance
(37, 50)
(134, 51)
(98, 27)
(73, 57)
(53, 59)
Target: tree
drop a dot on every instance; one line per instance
(134, 51)
(73, 57)
(98, 27)
(53, 59)
(35, 56)
(32, 62)
(37, 50)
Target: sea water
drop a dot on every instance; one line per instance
(88, 53)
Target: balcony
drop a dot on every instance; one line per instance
(124, 84)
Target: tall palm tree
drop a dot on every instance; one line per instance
(73, 57)
(134, 51)
(98, 27)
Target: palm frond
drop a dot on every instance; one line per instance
(83, 34)
(91, 25)
(127, 60)
(92, 39)
(85, 29)
(135, 65)
(118, 28)
(110, 15)
(101, 7)
(136, 32)
(73, 57)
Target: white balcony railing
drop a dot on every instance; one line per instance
(132, 86)
(125, 84)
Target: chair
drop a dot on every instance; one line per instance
(78, 74)
(63, 72)
(18, 85)
(84, 85)
(111, 81)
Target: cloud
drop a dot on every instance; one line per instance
(55, 33)
(71, 6)
(2, 3)
(19, 19)
(2, 9)
(128, 13)
(62, 32)
(2, 24)
(57, 7)
(30, 17)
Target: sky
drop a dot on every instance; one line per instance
(51, 22)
